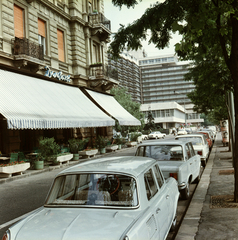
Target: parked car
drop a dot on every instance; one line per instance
(208, 138)
(112, 198)
(144, 136)
(176, 159)
(214, 129)
(156, 135)
(211, 133)
(200, 145)
(182, 132)
(188, 130)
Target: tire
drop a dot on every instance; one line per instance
(173, 226)
(197, 180)
(184, 193)
(156, 137)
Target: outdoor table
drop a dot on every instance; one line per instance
(4, 159)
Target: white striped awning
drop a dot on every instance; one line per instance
(32, 103)
(111, 106)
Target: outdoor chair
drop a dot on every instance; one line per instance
(13, 157)
(21, 157)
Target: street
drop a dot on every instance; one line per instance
(24, 195)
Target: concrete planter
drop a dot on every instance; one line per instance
(14, 169)
(131, 144)
(88, 153)
(65, 158)
(111, 148)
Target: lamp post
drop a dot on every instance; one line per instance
(183, 106)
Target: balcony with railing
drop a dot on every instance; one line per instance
(23, 46)
(101, 26)
(102, 74)
(27, 54)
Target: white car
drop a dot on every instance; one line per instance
(176, 159)
(200, 145)
(144, 136)
(156, 135)
(182, 132)
(111, 198)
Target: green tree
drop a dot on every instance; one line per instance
(204, 25)
(122, 96)
(150, 121)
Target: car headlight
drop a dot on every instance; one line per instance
(6, 236)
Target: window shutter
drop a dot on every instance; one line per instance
(41, 27)
(60, 37)
(18, 21)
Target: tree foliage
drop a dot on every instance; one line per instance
(122, 96)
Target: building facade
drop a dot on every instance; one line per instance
(129, 75)
(163, 82)
(58, 48)
(167, 115)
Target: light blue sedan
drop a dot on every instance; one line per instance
(123, 198)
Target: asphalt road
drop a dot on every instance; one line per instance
(19, 197)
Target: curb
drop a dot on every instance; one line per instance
(28, 173)
(191, 221)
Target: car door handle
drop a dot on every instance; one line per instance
(157, 210)
(167, 197)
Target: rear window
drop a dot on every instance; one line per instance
(161, 152)
(97, 189)
(193, 140)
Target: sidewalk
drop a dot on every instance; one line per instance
(212, 214)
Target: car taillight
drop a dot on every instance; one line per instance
(174, 175)
(6, 236)
(199, 153)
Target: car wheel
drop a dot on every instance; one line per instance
(184, 193)
(197, 180)
(156, 137)
(173, 226)
(163, 137)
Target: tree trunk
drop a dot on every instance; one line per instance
(233, 66)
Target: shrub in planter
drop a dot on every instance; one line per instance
(48, 148)
(134, 136)
(101, 142)
(76, 145)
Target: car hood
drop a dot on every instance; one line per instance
(74, 223)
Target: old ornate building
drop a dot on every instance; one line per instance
(51, 52)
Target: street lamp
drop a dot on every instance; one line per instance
(183, 106)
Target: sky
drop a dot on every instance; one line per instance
(126, 16)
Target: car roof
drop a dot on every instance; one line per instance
(190, 135)
(132, 165)
(169, 142)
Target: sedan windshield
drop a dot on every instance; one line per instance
(161, 152)
(95, 189)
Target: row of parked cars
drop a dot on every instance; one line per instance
(127, 197)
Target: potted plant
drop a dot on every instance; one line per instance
(119, 141)
(132, 139)
(76, 145)
(48, 150)
(101, 143)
